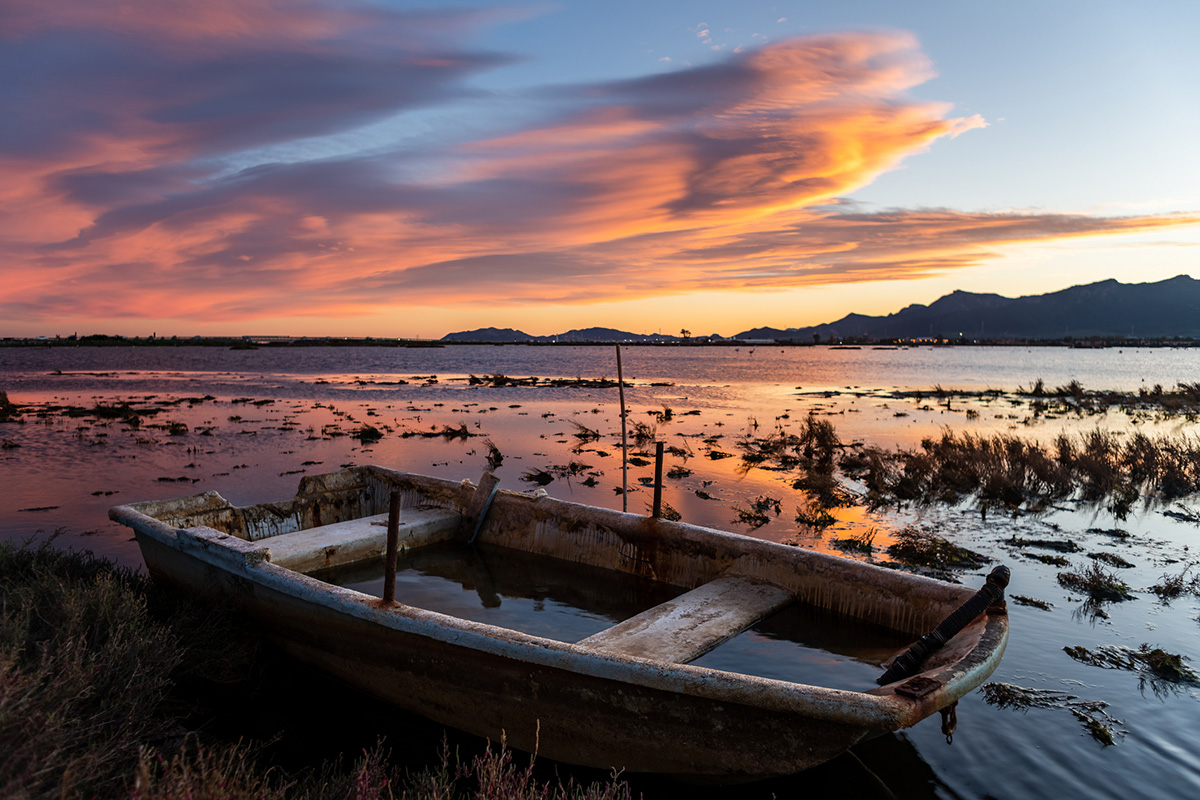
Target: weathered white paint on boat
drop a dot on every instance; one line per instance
(597, 702)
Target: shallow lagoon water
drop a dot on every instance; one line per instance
(296, 409)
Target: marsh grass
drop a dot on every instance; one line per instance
(1008, 472)
(643, 434)
(230, 772)
(494, 457)
(1099, 584)
(91, 657)
(1171, 587)
(8, 410)
(583, 433)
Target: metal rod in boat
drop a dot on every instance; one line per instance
(909, 662)
(658, 458)
(393, 544)
(624, 439)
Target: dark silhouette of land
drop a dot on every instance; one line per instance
(1107, 312)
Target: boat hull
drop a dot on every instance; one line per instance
(561, 700)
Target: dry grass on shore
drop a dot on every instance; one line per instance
(106, 680)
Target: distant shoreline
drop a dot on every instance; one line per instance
(257, 342)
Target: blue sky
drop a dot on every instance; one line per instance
(403, 169)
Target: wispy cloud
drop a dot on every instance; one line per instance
(125, 118)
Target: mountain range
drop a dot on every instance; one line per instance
(1107, 309)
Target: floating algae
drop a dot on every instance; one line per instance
(921, 548)
(1090, 713)
(1164, 672)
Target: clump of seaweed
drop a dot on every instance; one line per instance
(1112, 559)
(368, 434)
(666, 415)
(643, 434)
(8, 411)
(1100, 585)
(668, 512)
(583, 433)
(1032, 602)
(494, 457)
(757, 514)
(922, 548)
(540, 477)
(875, 468)
(815, 515)
(825, 489)
(774, 451)
(570, 470)
(1053, 561)
(1173, 586)
(1163, 671)
(1091, 713)
(1061, 546)
(862, 542)
(451, 432)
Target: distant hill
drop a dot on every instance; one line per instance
(1106, 309)
(583, 335)
(607, 335)
(489, 335)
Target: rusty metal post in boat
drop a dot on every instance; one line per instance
(393, 544)
(624, 438)
(658, 458)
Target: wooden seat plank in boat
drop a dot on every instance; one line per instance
(693, 623)
(359, 539)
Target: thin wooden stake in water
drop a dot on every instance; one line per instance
(393, 544)
(624, 439)
(658, 455)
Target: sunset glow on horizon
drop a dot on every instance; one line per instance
(396, 169)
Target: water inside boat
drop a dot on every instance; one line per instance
(567, 602)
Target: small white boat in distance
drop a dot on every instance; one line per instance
(623, 697)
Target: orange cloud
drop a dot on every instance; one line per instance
(122, 199)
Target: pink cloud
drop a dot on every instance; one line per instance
(723, 177)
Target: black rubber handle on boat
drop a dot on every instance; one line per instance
(909, 662)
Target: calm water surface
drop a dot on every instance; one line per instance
(255, 421)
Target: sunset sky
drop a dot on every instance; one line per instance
(332, 167)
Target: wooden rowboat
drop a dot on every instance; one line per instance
(622, 697)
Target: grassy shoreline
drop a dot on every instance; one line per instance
(109, 687)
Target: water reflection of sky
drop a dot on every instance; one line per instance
(74, 468)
